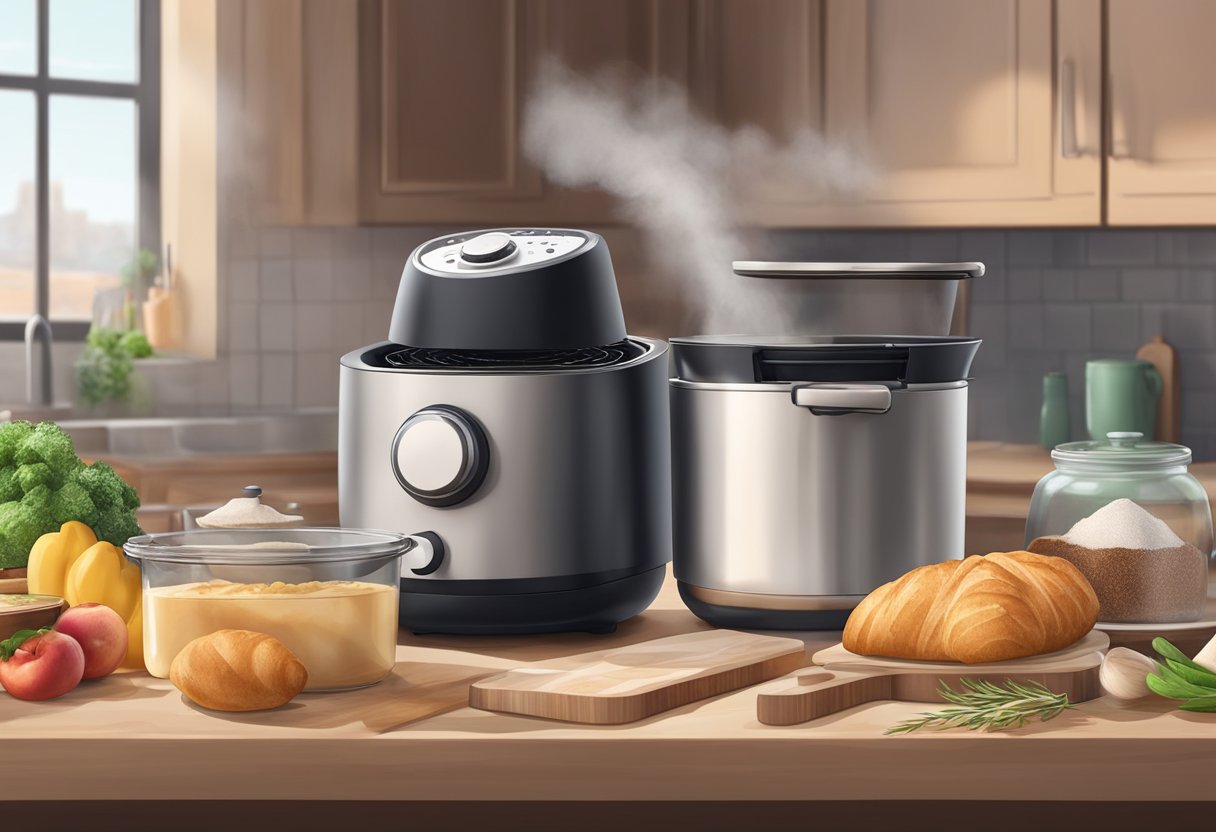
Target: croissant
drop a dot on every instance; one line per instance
(1005, 605)
(238, 670)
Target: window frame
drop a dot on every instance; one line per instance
(146, 94)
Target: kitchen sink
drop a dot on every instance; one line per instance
(304, 431)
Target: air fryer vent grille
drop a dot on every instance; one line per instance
(506, 361)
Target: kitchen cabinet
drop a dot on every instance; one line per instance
(1161, 168)
(972, 112)
(443, 88)
(289, 90)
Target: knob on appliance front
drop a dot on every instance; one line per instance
(440, 455)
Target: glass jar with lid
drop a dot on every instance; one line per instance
(1129, 515)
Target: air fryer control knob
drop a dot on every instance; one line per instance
(488, 248)
(440, 455)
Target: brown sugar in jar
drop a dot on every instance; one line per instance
(1139, 585)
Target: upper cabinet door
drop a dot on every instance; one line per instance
(1162, 120)
(443, 92)
(971, 111)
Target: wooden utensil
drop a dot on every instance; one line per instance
(626, 684)
(844, 679)
(1162, 356)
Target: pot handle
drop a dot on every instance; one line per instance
(425, 554)
(838, 399)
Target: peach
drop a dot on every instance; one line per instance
(46, 665)
(102, 635)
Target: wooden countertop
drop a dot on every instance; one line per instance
(131, 737)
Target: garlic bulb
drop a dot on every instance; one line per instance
(1123, 673)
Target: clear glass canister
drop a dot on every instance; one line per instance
(330, 595)
(1128, 514)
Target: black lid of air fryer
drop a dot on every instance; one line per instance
(743, 359)
(509, 289)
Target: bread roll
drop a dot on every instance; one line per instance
(238, 670)
(1005, 605)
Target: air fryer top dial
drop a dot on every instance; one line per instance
(514, 248)
(488, 248)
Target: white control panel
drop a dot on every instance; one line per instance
(495, 250)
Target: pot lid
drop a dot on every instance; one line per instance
(874, 271)
(248, 512)
(1126, 449)
(746, 359)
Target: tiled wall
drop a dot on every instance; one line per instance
(294, 300)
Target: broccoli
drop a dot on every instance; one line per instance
(136, 344)
(43, 484)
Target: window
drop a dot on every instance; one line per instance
(79, 156)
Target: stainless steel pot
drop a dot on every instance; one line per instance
(795, 498)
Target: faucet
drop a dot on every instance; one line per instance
(38, 327)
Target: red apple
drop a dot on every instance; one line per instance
(44, 666)
(102, 635)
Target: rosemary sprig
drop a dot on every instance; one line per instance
(986, 706)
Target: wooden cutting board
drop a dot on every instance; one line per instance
(626, 684)
(844, 679)
(1169, 409)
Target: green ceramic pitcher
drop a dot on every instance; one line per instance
(1120, 395)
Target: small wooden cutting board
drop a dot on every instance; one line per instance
(844, 679)
(626, 684)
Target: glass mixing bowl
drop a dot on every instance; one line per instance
(1159, 584)
(330, 595)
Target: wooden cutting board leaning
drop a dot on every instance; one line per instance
(626, 684)
(843, 680)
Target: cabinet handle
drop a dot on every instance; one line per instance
(1117, 144)
(1068, 110)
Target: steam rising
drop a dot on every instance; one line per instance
(679, 178)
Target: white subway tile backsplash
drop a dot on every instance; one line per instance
(314, 326)
(348, 328)
(278, 374)
(242, 281)
(294, 300)
(243, 388)
(352, 243)
(316, 379)
(274, 242)
(314, 243)
(352, 279)
(274, 280)
(243, 323)
(313, 279)
(276, 327)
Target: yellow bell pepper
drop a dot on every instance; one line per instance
(53, 554)
(72, 564)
